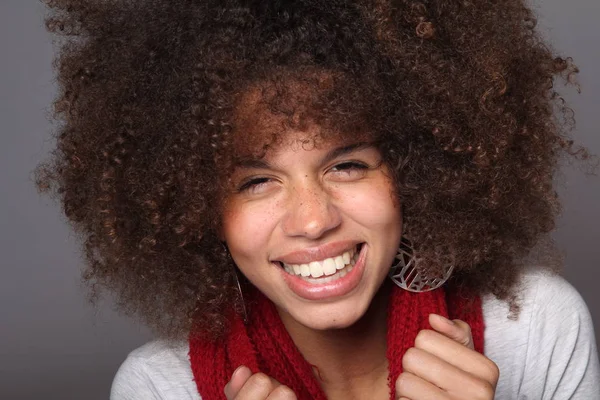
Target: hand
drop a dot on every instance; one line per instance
(443, 365)
(244, 385)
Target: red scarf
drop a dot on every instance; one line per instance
(265, 346)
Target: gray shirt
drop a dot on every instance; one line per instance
(549, 352)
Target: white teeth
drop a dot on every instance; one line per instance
(304, 270)
(339, 262)
(346, 257)
(337, 275)
(329, 267)
(334, 266)
(316, 269)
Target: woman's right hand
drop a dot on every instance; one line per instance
(244, 385)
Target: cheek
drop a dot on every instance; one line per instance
(247, 229)
(375, 207)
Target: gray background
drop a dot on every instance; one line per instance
(56, 346)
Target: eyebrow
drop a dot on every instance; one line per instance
(254, 163)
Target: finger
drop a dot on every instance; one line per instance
(258, 387)
(282, 392)
(456, 330)
(411, 386)
(446, 376)
(458, 355)
(237, 381)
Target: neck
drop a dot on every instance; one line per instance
(347, 360)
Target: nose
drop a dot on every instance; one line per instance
(310, 212)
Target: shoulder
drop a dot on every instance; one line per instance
(550, 293)
(547, 304)
(156, 370)
(549, 349)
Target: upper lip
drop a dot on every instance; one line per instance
(319, 253)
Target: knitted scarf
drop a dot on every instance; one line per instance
(264, 345)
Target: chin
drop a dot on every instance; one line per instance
(328, 317)
(330, 324)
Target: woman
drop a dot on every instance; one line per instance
(246, 174)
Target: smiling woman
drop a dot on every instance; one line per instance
(247, 174)
(305, 210)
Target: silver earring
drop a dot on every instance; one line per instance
(237, 281)
(404, 274)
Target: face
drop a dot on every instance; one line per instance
(315, 230)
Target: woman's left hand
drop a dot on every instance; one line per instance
(443, 365)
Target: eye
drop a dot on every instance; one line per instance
(349, 169)
(348, 165)
(254, 185)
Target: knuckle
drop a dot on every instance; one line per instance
(283, 393)
(482, 390)
(468, 329)
(492, 372)
(411, 356)
(468, 333)
(424, 337)
(466, 336)
(260, 380)
(402, 383)
(463, 326)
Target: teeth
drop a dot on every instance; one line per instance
(337, 275)
(346, 257)
(304, 270)
(316, 269)
(327, 267)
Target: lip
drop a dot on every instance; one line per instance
(319, 253)
(337, 288)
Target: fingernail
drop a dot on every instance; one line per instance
(444, 319)
(236, 371)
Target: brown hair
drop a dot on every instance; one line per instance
(458, 95)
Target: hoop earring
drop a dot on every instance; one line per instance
(237, 281)
(404, 274)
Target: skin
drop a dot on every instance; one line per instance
(301, 199)
(295, 198)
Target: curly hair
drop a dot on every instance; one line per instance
(157, 99)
